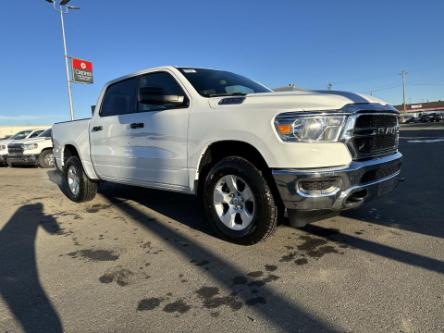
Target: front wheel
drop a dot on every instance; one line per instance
(78, 187)
(46, 159)
(239, 202)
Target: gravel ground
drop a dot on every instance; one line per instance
(137, 260)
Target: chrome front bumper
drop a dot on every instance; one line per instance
(353, 185)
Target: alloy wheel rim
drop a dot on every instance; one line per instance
(50, 160)
(73, 180)
(234, 202)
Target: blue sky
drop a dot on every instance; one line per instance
(356, 45)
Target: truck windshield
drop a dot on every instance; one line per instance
(212, 83)
(20, 135)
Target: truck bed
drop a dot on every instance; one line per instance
(76, 134)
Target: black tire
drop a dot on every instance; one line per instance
(87, 188)
(46, 159)
(266, 212)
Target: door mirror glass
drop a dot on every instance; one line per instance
(93, 108)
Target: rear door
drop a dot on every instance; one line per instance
(110, 131)
(139, 143)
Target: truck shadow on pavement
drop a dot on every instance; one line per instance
(283, 313)
(185, 209)
(416, 204)
(20, 285)
(406, 257)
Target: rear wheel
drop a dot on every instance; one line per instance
(46, 159)
(239, 202)
(78, 187)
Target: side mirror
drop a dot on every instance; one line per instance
(93, 108)
(154, 95)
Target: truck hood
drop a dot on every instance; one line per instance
(296, 100)
(5, 141)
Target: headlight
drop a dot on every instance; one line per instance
(30, 146)
(297, 127)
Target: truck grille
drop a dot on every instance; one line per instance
(15, 149)
(374, 135)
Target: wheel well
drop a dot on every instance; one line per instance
(69, 151)
(219, 150)
(46, 149)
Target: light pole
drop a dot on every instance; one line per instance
(63, 8)
(403, 74)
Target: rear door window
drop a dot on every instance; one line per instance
(120, 98)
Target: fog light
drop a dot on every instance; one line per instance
(319, 187)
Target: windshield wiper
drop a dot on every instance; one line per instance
(227, 94)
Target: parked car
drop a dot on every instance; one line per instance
(407, 119)
(35, 151)
(436, 117)
(430, 117)
(247, 152)
(26, 134)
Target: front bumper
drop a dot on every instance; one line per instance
(22, 159)
(348, 187)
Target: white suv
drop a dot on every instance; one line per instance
(26, 134)
(32, 151)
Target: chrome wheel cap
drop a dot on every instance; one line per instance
(234, 202)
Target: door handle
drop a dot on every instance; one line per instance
(137, 125)
(97, 128)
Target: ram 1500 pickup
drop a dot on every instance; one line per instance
(250, 154)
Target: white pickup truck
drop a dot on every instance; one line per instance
(249, 153)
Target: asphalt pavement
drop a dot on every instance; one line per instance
(138, 260)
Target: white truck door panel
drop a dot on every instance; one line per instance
(110, 148)
(161, 147)
(109, 131)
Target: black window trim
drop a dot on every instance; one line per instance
(138, 76)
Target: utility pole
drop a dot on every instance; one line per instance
(63, 8)
(403, 74)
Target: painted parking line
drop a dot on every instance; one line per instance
(434, 140)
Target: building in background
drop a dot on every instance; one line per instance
(422, 107)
